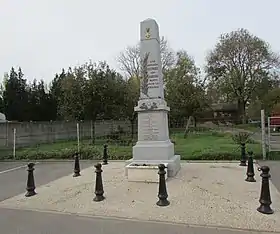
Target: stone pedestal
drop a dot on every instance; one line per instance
(154, 146)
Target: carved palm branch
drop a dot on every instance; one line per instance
(144, 75)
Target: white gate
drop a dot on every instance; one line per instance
(273, 133)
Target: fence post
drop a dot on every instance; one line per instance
(52, 134)
(78, 136)
(14, 143)
(7, 133)
(91, 130)
(263, 134)
(268, 135)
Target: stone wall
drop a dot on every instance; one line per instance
(29, 133)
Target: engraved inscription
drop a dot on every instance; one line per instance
(153, 75)
(149, 128)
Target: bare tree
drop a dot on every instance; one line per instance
(167, 54)
(129, 60)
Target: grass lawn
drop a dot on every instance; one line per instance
(197, 146)
(210, 145)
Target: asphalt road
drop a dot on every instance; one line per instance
(32, 222)
(13, 175)
(274, 171)
(9, 166)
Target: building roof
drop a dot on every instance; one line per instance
(224, 107)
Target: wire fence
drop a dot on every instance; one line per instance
(25, 136)
(14, 135)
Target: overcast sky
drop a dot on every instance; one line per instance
(43, 36)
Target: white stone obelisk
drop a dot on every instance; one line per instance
(154, 145)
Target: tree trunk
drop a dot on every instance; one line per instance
(187, 127)
(132, 128)
(195, 121)
(241, 111)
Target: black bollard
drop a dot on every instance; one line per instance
(105, 155)
(98, 184)
(76, 165)
(162, 192)
(250, 168)
(243, 155)
(265, 199)
(30, 188)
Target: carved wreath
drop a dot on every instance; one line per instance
(145, 107)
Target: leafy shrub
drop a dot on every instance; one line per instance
(241, 137)
(123, 141)
(117, 153)
(88, 152)
(220, 156)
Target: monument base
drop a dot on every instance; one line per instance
(144, 172)
(153, 150)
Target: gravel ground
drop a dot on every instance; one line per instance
(213, 194)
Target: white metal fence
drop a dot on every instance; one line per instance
(273, 135)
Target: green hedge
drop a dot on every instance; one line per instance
(120, 153)
(87, 152)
